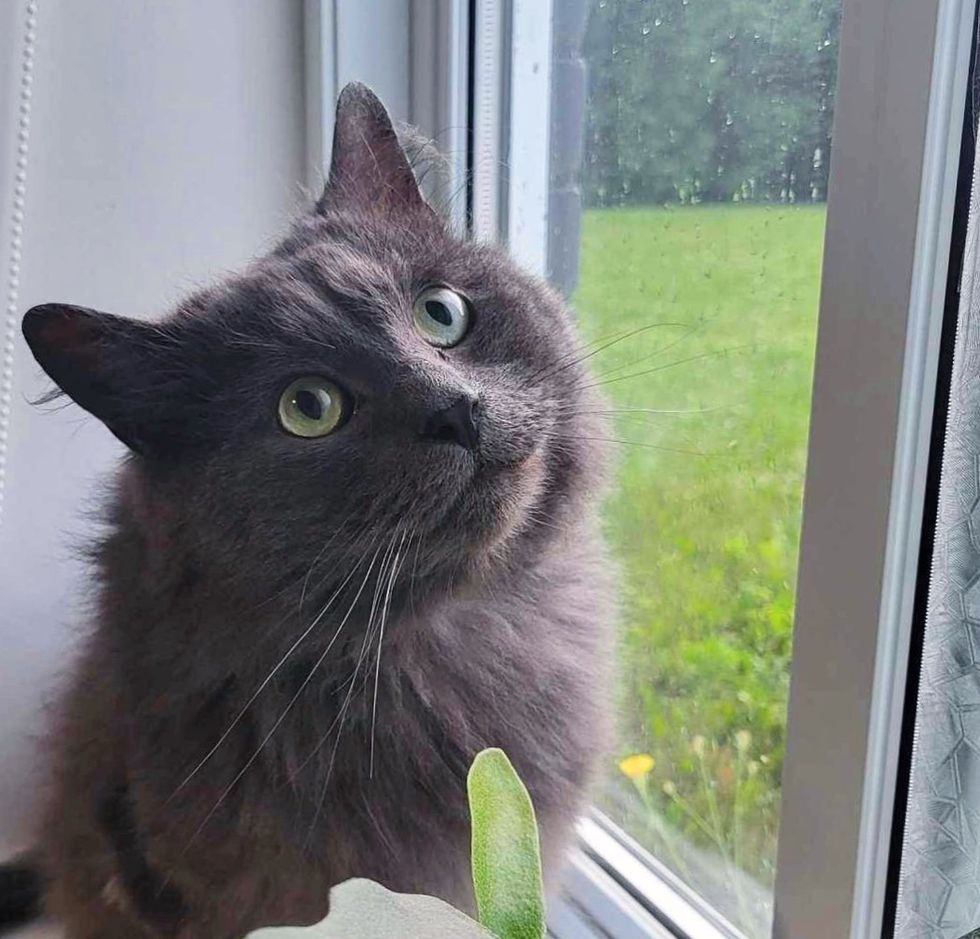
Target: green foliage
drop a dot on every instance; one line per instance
(506, 877)
(505, 853)
(697, 100)
(707, 543)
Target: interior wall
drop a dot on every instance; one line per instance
(166, 144)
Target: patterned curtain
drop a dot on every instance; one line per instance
(939, 892)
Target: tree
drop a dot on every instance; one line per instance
(701, 100)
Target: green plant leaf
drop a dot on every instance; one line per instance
(505, 852)
(363, 909)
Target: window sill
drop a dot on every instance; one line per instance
(613, 881)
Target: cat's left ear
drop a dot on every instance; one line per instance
(368, 169)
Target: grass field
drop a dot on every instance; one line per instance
(705, 514)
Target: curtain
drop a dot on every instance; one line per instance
(939, 888)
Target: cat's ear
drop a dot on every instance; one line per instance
(368, 169)
(107, 364)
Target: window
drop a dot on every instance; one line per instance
(695, 199)
(703, 184)
(706, 183)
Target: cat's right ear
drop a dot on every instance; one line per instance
(105, 363)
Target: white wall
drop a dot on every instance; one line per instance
(166, 144)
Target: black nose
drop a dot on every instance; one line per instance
(459, 423)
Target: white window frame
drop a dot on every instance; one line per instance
(897, 131)
(415, 55)
(899, 119)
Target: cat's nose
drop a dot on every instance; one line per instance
(458, 424)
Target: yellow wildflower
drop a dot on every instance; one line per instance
(637, 766)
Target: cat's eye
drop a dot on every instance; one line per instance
(442, 316)
(311, 407)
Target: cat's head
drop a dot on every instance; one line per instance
(375, 385)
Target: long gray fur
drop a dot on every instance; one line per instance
(298, 645)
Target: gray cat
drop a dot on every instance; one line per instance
(354, 543)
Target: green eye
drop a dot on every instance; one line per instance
(311, 407)
(441, 316)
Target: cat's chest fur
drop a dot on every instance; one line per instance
(523, 670)
(363, 769)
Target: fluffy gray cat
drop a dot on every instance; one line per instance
(354, 543)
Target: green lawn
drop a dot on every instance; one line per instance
(707, 539)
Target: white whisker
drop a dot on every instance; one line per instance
(381, 636)
(282, 716)
(268, 678)
(538, 378)
(342, 717)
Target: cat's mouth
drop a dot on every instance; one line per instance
(497, 500)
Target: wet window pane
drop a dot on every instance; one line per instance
(704, 173)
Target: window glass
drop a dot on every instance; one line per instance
(704, 172)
